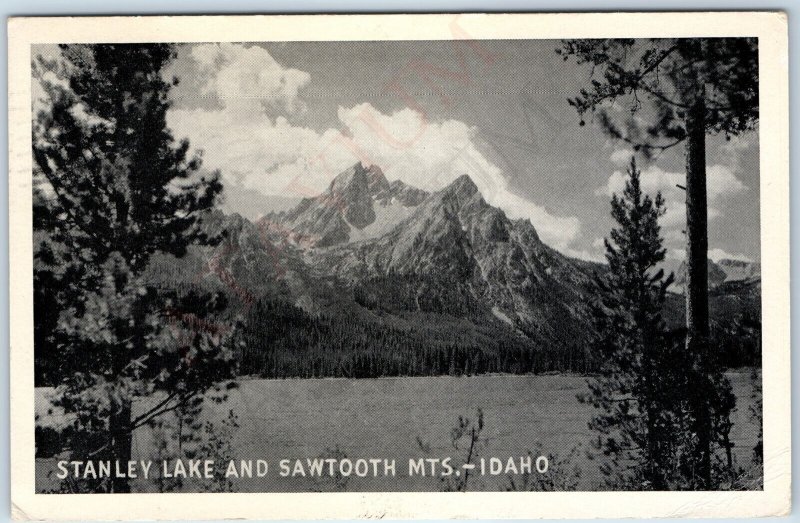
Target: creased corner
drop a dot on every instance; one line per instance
(20, 514)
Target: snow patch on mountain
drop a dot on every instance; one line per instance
(387, 216)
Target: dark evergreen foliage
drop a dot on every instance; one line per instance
(112, 188)
(659, 80)
(643, 391)
(677, 91)
(281, 340)
(640, 372)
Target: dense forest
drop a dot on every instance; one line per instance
(407, 335)
(283, 341)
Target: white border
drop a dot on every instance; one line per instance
(769, 27)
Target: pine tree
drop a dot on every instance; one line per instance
(671, 92)
(646, 419)
(113, 188)
(636, 388)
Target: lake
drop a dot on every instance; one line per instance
(403, 418)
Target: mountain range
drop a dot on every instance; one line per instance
(420, 278)
(723, 271)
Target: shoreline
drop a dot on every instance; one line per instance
(738, 370)
(249, 378)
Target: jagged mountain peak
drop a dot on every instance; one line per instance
(462, 185)
(460, 196)
(457, 243)
(360, 203)
(369, 179)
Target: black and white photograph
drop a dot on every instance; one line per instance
(421, 265)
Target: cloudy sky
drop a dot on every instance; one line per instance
(280, 120)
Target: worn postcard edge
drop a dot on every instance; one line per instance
(772, 31)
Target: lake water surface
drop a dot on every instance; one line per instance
(403, 418)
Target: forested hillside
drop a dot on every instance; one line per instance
(373, 278)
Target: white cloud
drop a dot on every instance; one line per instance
(558, 231)
(276, 157)
(597, 252)
(586, 255)
(621, 157)
(721, 182)
(244, 78)
(430, 155)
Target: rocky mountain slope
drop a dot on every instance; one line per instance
(457, 253)
(373, 277)
(723, 271)
(738, 270)
(359, 203)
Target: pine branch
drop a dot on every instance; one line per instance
(66, 204)
(163, 411)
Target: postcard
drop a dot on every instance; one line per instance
(400, 266)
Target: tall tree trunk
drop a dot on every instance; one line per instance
(121, 417)
(697, 281)
(121, 441)
(655, 465)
